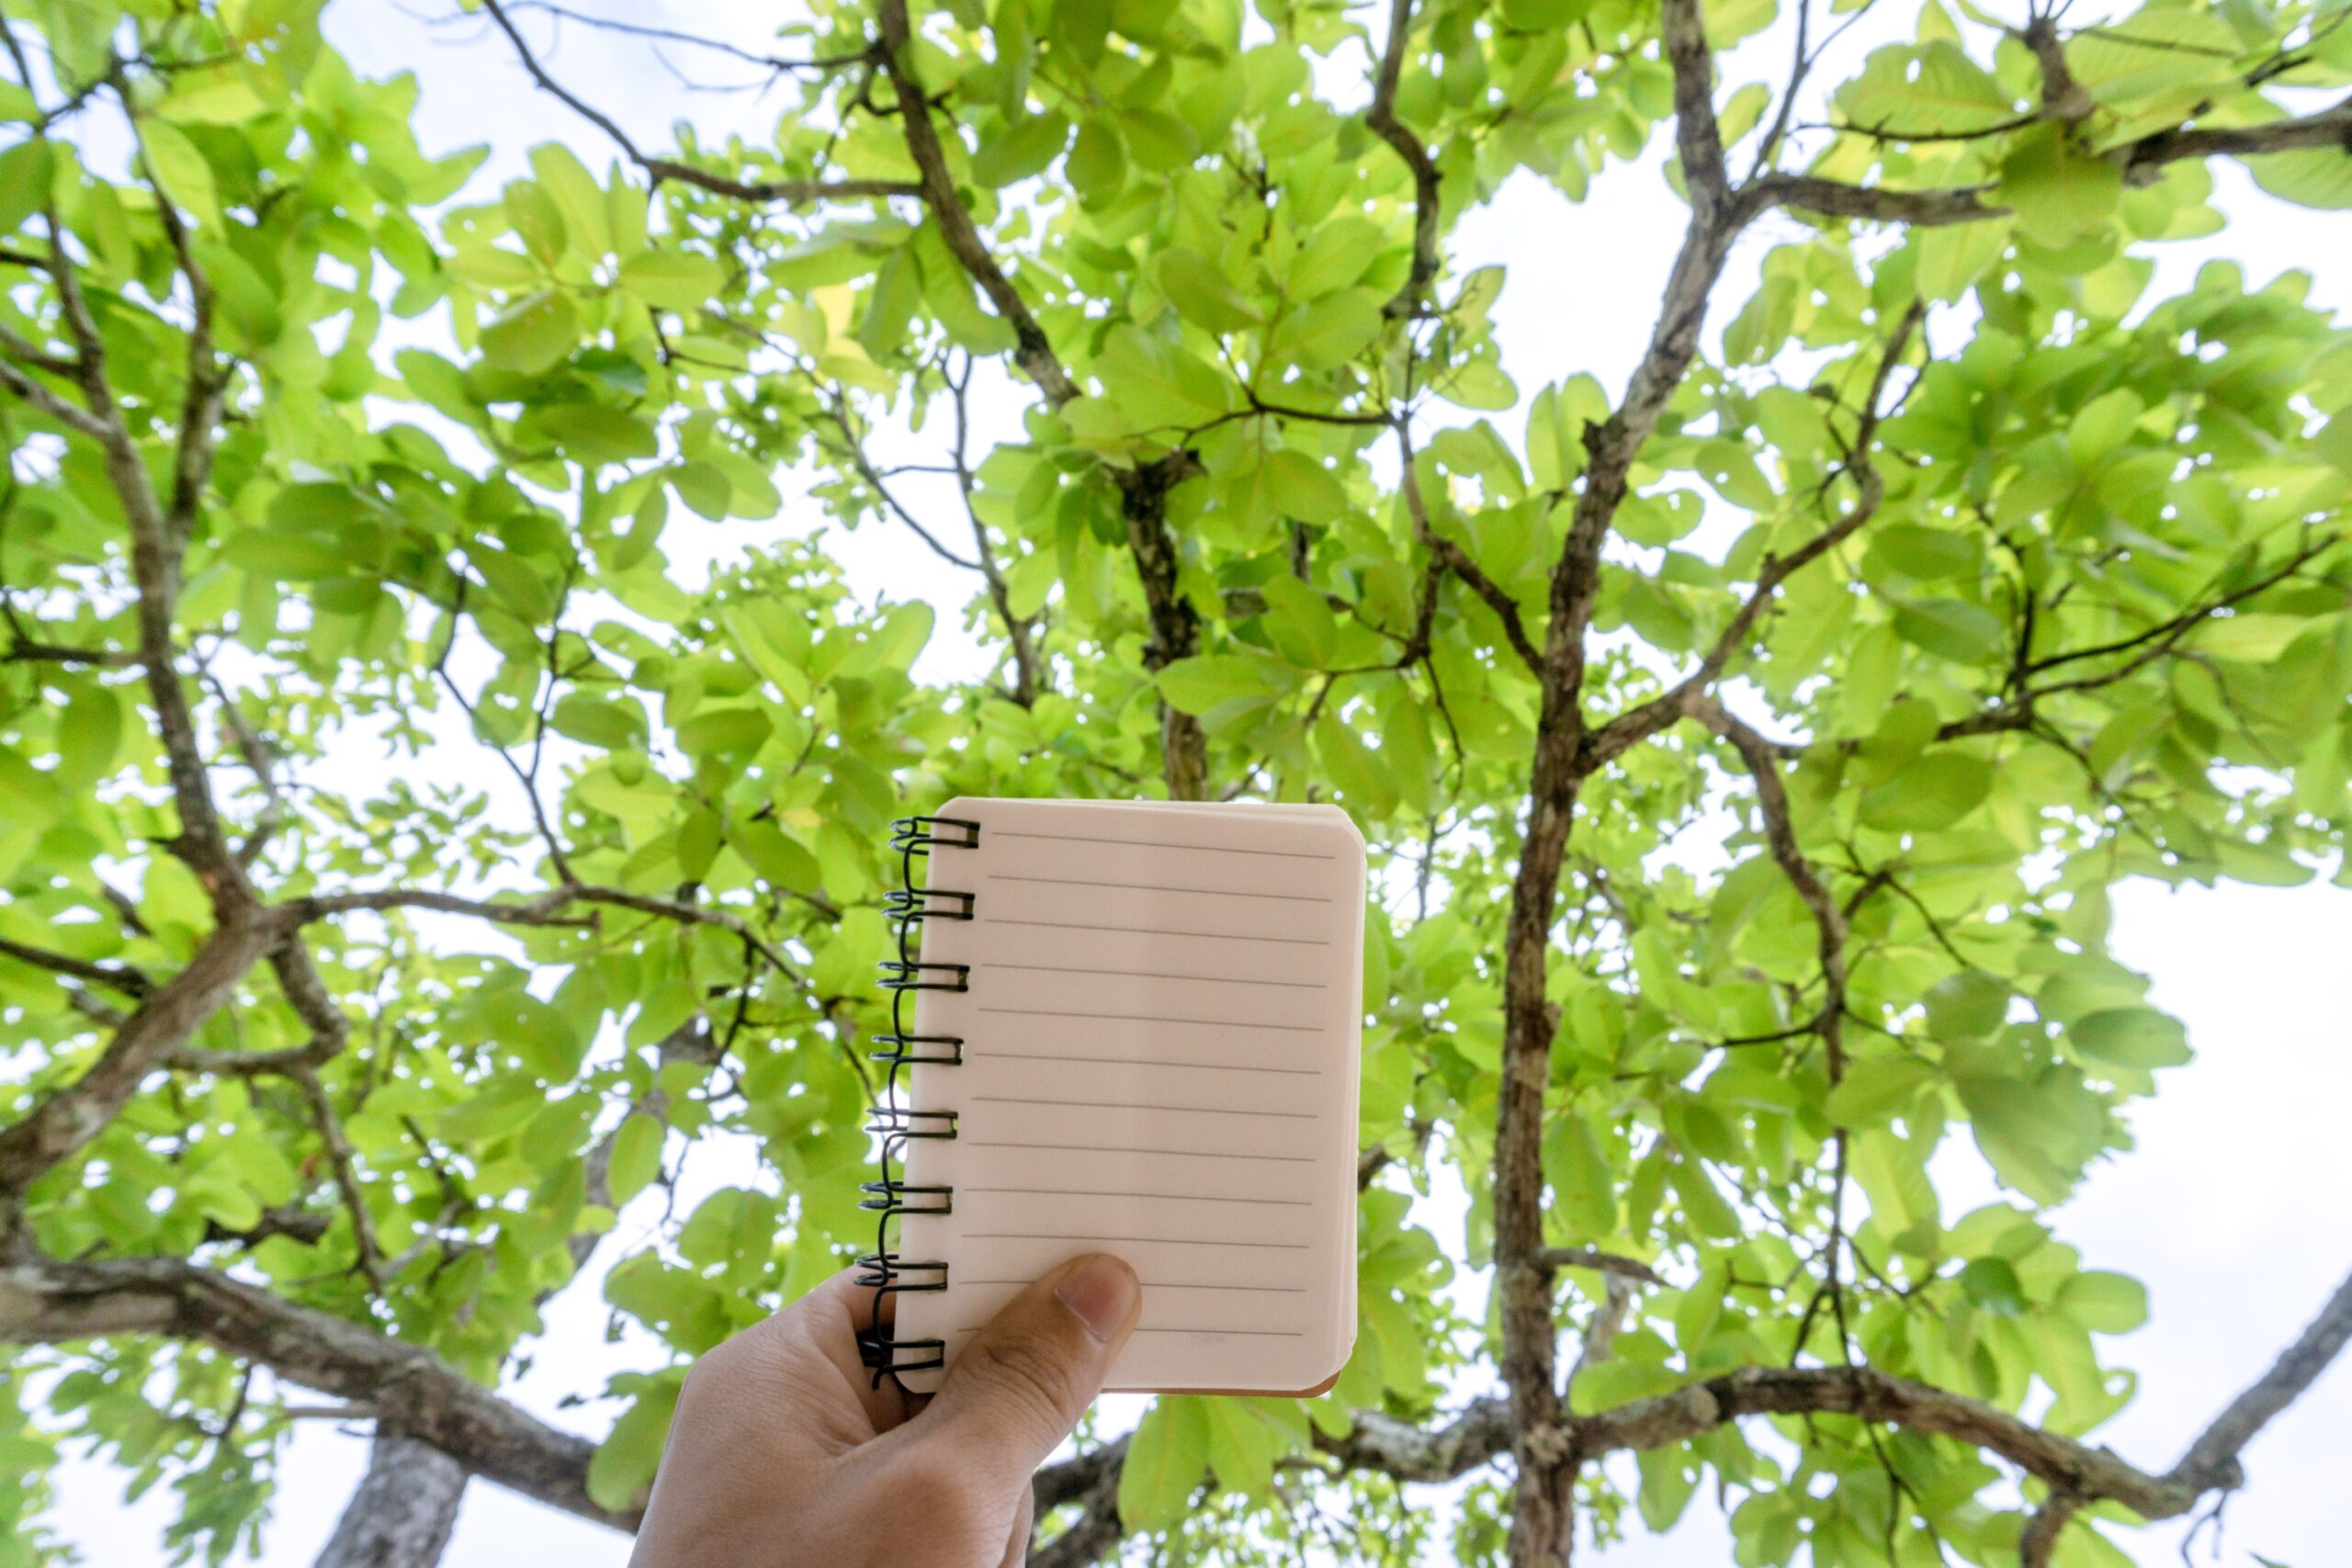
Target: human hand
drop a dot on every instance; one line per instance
(782, 1453)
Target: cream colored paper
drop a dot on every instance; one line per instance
(1160, 1061)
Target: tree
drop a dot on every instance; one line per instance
(1962, 579)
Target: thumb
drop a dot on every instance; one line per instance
(1022, 1382)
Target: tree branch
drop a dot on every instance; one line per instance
(794, 192)
(414, 1393)
(1096, 1531)
(71, 1116)
(1609, 1263)
(404, 1510)
(2211, 1461)
(120, 977)
(1638, 724)
(1034, 351)
(1543, 1525)
(1762, 762)
(2142, 160)
(1456, 559)
(1381, 117)
(543, 910)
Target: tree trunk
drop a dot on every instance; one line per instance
(1543, 1521)
(401, 1515)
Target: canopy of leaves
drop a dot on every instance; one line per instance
(408, 859)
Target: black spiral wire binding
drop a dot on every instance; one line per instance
(884, 1270)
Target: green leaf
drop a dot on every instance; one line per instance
(1167, 1458)
(1157, 141)
(23, 181)
(181, 169)
(1928, 90)
(2059, 193)
(1202, 294)
(1875, 1089)
(2138, 1038)
(597, 720)
(1586, 1184)
(675, 280)
(724, 731)
(1098, 162)
(1021, 151)
(644, 530)
(1992, 1285)
(704, 487)
(778, 857)
(1556, 421)
(2319, 176)
(1952, 256)
(2102, 424)
(1158, 385)
(1240, 1446)
(1669, 1480)
(1299, 623)
(2038, 1133)
(212, 95)
(1195, 686)
(1338, 252)
(591, 434)
(2103, 1302)
(624, 1464)
(533, 334)
(1328, 332)
(89, 737)
(637, 1157)
(2250, 636)
(224, 1203)
(2161, 48)
(1702, 1204)
(586, 217)
(1303, 489)
(1362, 778)
(1967, 1006)
(1965, 633)
(1928, 793)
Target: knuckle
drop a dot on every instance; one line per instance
(954, 1502)
(708, 1375)
(1025, 1370)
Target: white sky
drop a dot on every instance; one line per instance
(2233, 1208)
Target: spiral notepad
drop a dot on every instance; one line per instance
(1124, 1026)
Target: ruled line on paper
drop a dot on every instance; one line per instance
(1151, 1018)
(1140, 1240)
(1168, 1285)
(1248, 1333)
(1156, 974)
(1160, 844)
(1154, 930)
(972, 1055)
(1131, 1149)
(1141, 1105)
(1171, 1197)
(1157, 888)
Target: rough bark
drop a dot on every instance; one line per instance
(402, 1512)
(73, 1115)
(414, 1393)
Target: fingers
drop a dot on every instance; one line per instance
(832, 1317)
(1024, 1521)
(1022, 1382)
(805, 1358)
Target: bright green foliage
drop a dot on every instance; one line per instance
(435, 621)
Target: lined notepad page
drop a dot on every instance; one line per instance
(1160, 1061)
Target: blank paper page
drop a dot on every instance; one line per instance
(1161, 1050)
